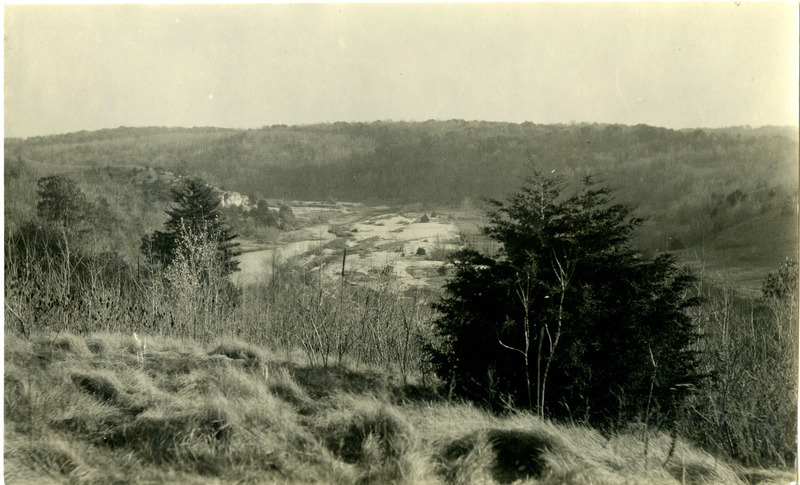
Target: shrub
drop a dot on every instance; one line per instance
(749, 409)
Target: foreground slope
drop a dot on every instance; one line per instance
(103, 409)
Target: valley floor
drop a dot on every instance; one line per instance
(108, 408)
(377, 238)
(413, 246)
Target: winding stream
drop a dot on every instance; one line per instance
(255, 265)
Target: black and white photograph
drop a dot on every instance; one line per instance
(377, 243)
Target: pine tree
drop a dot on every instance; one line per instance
(568, 319)
(61, 201)
(196, 214)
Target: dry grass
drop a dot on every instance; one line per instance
(87, 410)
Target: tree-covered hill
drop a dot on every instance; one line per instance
(431, 162)
(692, 184)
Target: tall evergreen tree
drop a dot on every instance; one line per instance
(61, 201)
(197, 214)
(568, 319)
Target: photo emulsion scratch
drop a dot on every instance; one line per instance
(401, 243)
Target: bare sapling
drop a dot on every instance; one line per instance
(141, 347)
(524, 294)
(563, 271)
(647, 410)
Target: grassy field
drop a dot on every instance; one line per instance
(108, 408)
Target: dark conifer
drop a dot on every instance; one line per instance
(197, 213)
(568, 318)
(61, 201)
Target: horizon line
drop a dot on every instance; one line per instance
(388, 120)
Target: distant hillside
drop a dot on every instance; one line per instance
(424, 162)
(691, 184)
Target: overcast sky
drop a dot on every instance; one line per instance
(678, 65)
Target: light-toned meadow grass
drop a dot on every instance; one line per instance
(91, 410)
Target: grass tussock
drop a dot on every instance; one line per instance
(95, 410)
(249, 355)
